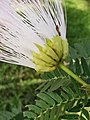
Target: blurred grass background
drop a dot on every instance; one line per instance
(18, 83)
(78, 17)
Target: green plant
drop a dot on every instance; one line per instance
(60, 97)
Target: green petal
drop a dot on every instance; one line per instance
(56, 45)
(44, 68)
(48, 51)
(42, 56)
(65, 49)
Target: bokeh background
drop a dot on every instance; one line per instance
(18, 83)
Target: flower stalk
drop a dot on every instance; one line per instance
(73, 75)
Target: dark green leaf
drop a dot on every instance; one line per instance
(41, 86)
(81, 50)
(81, 118)
(46, 98)
(52, 114)
(47, 76)
(55, 85)
(34, 108)
(76, 88)
(57, 72)
(86, 113)
(75, 109)
(55, 96)
(69, 91)
(47, 85)
(5, 115)
(85, 66)
(78, 67)
(29, 114)
(46, 115)
(19, 116)
(73, 53)
(70, 116)
(64, 95)
(42, 104)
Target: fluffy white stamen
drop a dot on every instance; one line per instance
(26, 22)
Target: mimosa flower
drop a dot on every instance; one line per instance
(33, 33)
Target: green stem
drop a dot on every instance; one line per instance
(69, 72)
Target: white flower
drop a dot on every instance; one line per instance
(26, 22)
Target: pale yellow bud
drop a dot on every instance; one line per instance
(51, 54)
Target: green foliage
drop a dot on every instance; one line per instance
(60, 97)
(5, 115)
(56, 106)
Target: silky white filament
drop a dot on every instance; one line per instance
(26, 22)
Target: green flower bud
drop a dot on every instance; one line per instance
(51, 54)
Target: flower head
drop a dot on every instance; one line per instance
(51, 55)
(33, 32)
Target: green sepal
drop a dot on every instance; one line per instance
(48, 51)
(65, 49)
(56, 45)
(44, 68)
(42, 56)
